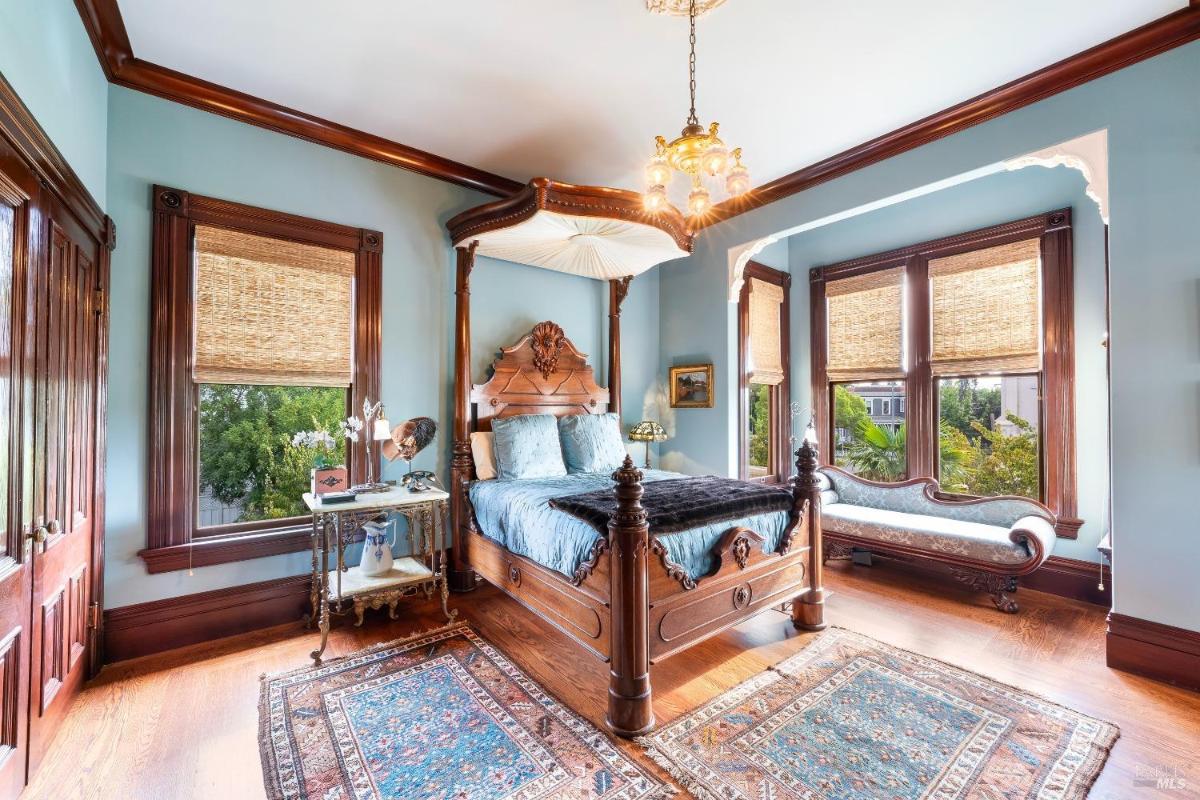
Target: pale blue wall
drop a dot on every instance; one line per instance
(1152, 113)
(155, 141)
(46, 55)
(987, 201)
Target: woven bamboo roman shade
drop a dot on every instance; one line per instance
(271, 312)
(987, 310)
(766, 355)
(865, 326)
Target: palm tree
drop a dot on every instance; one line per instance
(878, 454)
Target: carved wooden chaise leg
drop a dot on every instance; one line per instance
(837, 551)
(808, 610)
(998, 586)
(629, 698)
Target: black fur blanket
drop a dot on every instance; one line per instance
(681, 503)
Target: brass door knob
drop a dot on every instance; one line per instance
(52, 527)
(38, 535)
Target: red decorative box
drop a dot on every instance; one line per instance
(330, 479)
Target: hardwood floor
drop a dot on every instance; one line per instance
(184, 724)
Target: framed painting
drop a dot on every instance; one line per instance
(692, 386)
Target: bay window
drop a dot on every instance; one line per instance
(954, 359)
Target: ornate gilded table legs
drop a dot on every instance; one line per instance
(323, 584)
(435, 533)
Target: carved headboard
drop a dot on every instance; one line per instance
(543, 373)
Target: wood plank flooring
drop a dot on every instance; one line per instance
(184, 724)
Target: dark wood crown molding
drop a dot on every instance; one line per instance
(102, 19)
(1154, 38)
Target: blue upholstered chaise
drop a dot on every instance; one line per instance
(986, 543)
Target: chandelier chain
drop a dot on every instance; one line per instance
(692, 118)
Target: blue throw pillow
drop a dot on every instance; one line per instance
(591, 442)
(527, 447)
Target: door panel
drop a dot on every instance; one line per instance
(64, 462)
(17, 186)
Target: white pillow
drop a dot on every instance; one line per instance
(483, 450)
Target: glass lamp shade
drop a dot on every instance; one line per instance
(658, 171)
(381, 429)
(738, 181)
(655, 198)
(698, 201)
(716, 159)
(647, 431)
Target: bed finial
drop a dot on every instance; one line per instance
(808, 610)
(629, 710)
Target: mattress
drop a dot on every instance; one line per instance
(517, 515)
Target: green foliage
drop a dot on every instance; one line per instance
(1006, 463)
(848, 409)
(876, 453)
(760, 425)
(962, 404)
(246, 450)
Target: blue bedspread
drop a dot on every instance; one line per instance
(516, 514)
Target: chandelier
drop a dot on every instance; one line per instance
(696, 153)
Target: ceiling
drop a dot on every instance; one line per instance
(577, 89)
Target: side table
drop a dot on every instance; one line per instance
(337, 589)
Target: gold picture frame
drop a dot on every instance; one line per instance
(692, 386)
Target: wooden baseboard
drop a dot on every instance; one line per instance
(1069, 577)
(1157, 651)
(146, 628)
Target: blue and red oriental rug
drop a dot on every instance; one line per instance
(442, 715)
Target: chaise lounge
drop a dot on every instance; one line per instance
(985, 543)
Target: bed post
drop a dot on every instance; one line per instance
(617, 289)
(808, 610)
(462, 467)
(629, 710)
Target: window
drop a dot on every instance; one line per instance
(764, 409)
(265, 325)
(975, 331)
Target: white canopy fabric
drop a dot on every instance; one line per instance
(594, 247)
(593, 231)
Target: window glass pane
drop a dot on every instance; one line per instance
(989, 442)
(250, 466)
(869, 429)
(760, 430)
(6, 278)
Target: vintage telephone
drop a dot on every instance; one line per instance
(421, 480)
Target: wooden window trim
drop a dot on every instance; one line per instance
(780, 441)
(171, 540)
(1058, 359)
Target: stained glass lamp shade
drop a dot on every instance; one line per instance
(647, 431)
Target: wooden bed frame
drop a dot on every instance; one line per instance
(628, 604)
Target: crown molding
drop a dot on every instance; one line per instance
(102, 19)
(1154, 38)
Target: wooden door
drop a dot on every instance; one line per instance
(65, 355)
(17, 186)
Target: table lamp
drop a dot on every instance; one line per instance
(647, 431)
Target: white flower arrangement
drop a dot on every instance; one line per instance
(350, 428)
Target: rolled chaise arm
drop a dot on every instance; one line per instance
(808, 610)
(462, 466)
(629, 711)
(1038, 535)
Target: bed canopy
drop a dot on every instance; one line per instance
(591, 231)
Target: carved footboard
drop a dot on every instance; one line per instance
(659, 610)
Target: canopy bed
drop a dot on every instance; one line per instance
(632, 582)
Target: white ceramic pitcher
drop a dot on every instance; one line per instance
(377, 549)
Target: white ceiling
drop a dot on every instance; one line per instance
(577, 89)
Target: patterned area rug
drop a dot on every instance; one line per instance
(850, 718)
(440, 716)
